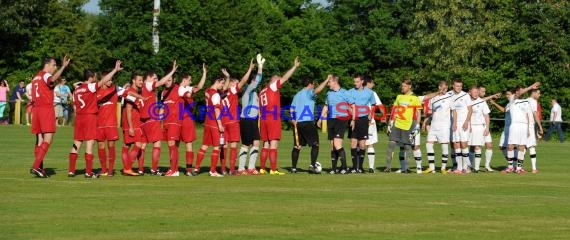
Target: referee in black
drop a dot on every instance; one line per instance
(304, 129)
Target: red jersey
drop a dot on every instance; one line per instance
(149, 97)
(173, 98)
(426, 107)
(213, 101)
(42, 90)
(85, 99)
(270, 100)
(107, 100)
(135, 112)
(230, 105)
(187, 100)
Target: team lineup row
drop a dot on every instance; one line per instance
(454, 115)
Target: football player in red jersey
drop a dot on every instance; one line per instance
(107, 132)
(42, 102)
(132, 133)
(150, 122)
(173, 97)
(270, 129)
(188, 130)
(230, 115)
(213, 127)
(85, 102)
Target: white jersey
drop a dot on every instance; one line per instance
(520, 111)
(441, 111)
(460, 102)
(533, 109)
(479, 110)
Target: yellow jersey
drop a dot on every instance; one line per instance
(404, 109)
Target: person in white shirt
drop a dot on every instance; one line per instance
(555, 121)
(519, 131)
(535, 122)
(477, 122)
(460, 133)
(440, 114)
(372, 130)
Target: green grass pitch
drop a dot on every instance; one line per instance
(301, 206)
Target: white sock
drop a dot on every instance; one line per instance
(242, 158)
(488, 156)
(532, 152)
(444, 155)
(466, 160)
(511, 156)
(520, 157)
(430, 156)
(371, 157)
(418, 157)
(253, 152)
(477, 159)
(459, 159)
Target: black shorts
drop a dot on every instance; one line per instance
(360, 131)
(401, 136)
(306, 133)
(336, 128)
(249, 131)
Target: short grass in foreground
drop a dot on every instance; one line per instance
(301, 206)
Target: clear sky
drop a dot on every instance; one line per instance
(93, 5)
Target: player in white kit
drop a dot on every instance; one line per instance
(440, 114)
(477, 122)
(519, 131)
(535, 122)
(460, 132)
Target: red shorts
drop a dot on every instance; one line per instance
(270, 129)
(188, 130)
(85, 127)
(43, 120)
(211, 136)
(127, 139)
(152, 132)
(107, 134)
(171, 131)
(232, 132)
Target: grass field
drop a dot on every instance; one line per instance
(302, 206)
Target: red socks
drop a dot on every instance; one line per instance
(133, 156)
(88, 163)
(223, 165)
(189, 160)
(72, 162)
(125, 157)
(173, 157)
(214, 160)
(155, 158)
(263, 158)
(111, 159)
(273, 159)
(41, 153)
(233, 157)
(102, 154)
(140, 156)
(199, 158)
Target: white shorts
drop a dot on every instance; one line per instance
(518, 134)
(438, 135)
(460, 135)
(477, 138)
(372, 134)
(531, 141)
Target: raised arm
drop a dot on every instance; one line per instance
(533, 86)
(501, 108)
(202, 80)
(494, 96)
(64, 64)
(430, 95)
(323, 84)
(227, 77)
(288, 74)
(109, 76)
(168, 76)
(245, 77)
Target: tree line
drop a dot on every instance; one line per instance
(495, 43)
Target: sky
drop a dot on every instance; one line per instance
(93, 5)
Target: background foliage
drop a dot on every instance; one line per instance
(492, 42)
